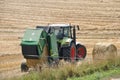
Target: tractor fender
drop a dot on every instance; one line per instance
(78, 43)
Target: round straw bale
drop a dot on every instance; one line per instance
(102, 51)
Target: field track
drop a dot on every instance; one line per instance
(99, 21)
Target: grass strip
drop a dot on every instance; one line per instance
(85, 71)
(98, 75)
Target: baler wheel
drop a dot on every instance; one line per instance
(24, 67)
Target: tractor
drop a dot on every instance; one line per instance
(50, 43)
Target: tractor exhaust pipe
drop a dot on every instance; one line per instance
(74, 34)
(78, 27)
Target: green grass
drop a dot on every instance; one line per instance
(85, 71)
(98, 75)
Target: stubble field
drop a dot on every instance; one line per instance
(99, 21)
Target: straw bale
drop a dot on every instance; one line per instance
(104, 51)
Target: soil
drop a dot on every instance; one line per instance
(10, 65)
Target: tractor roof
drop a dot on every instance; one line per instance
(46, 28)
(59, 25)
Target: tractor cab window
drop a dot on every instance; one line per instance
(52, 30)
(59, 33)
(66, 32)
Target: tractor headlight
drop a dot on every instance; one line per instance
(66, 44)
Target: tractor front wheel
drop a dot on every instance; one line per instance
(81, 52)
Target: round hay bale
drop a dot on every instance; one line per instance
(102, 51)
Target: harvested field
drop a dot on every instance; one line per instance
(99, 21)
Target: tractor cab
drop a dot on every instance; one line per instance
(61, 30)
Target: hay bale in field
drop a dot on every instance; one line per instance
(102, 51)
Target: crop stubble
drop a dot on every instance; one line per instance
(99, 21)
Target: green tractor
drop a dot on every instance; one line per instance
(51, 43)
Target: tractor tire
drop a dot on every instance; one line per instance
(81, 52)
(72, 52)
(24, 67)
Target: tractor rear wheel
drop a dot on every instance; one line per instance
(24, 67)
(72, 52)
(81, 52)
